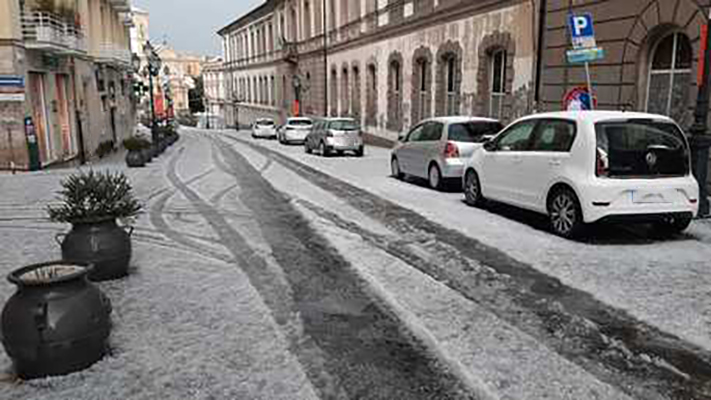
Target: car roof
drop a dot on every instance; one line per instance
(459, 119)
(597, 116)
(265, 120)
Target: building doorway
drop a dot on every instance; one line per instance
(40, 116)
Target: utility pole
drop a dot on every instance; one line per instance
(325, 60)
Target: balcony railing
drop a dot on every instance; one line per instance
(45, 31)
(112, 54)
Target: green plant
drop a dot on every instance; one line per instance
(135, 143)
(105, 148)
(94, 197)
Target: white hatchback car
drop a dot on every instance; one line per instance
(436, 149)
(583, 167)
(264, 128)
(295, 130)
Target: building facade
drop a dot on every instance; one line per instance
(652, 55)
(388, 63)
(65, 83)
(217, 102)
(179, 72)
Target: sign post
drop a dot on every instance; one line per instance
(585, 48)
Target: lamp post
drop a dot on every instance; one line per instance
(700, 141)
(296, 82)
(154, 64)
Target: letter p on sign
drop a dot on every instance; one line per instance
(581, 26)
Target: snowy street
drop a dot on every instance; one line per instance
(262, 272)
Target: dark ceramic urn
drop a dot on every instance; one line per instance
(57, 322)
(135, 159)
(104, 244)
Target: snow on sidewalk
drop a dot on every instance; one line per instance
(186, 326)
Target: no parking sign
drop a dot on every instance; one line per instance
(579, 99)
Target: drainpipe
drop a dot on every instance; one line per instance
(539, 52)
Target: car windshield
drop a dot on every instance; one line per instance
(300, 122)
(343, 125)
(474, 132)
(265, 123)
(642, 148)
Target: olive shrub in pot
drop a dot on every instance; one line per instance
(136, 155)
(93, 202)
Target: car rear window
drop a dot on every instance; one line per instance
(641, 148)
(265, 123)
(343, 125)
(300, 122)
(473, 132)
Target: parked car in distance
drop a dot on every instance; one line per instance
(436, 149)
(335, 135)
(295, 130)
(264, 128)
(582, 167)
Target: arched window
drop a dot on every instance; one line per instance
(345, 93)
(395, 93)
(497, 84)
(449, 79)
(421, 85)
(307, 21)
(334, 93)
(371, 106)
(670, 76)
(355, 98)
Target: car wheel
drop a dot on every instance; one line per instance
(395, 168)
(673, 224)
(323, 150)
(435, 177)
(472, 189)
(565, 214)
(360, 152)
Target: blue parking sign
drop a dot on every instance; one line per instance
(581, 26)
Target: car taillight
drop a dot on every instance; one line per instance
(602, 167)
(329, 134)
(451, 150)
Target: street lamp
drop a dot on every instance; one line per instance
(154, 64)
(296, 82)
(700, 141)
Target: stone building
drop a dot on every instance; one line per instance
(388, 63)
(651, 61)
(217, 103)
(180, 70)
(65, 85)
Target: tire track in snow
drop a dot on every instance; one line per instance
(611, 344)
(362, 345)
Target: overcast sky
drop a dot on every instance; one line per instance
(192, 25)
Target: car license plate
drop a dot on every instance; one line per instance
(644, 197)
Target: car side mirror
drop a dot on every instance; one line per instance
(489, 145)
(401, 138)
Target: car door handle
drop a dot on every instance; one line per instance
(517, 160)
(555, 163)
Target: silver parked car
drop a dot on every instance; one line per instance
(264, 128)
(295, 130)
(437, 148)
(335, 135)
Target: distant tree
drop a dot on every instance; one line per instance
(196, 96)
